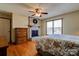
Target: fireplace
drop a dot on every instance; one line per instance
(34, 33)
(34, 27)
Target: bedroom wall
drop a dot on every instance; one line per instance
(43, 27)
(18, 21)
(70, 23)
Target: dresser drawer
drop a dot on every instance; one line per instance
(21, 34)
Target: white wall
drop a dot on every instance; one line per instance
(70, 23)
(43, 27)
(18, 21)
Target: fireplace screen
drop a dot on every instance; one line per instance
(34, 33)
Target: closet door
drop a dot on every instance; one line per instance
(5, 28)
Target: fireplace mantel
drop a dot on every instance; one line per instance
(33, 26)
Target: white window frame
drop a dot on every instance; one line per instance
(53, 25)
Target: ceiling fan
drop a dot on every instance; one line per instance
(38, 12)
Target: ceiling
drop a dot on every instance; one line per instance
(53, 9)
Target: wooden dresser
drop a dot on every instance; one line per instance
(21, 35)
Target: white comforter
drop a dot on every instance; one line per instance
(57, 36)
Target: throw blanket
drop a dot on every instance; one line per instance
(58, 47)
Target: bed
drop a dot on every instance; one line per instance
(58, 45)
(72, 38)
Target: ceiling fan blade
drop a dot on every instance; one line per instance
(44, 13)
(33, 15)
(31, 11)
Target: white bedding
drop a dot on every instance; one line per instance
(57, 36)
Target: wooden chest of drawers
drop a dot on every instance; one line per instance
(21, 35)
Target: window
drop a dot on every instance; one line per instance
(58, 27)
(54, 27)
(49, 27)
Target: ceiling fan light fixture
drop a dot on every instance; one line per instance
(37, 14)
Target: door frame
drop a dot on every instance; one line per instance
(10, 41)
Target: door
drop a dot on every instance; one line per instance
(5, 28)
